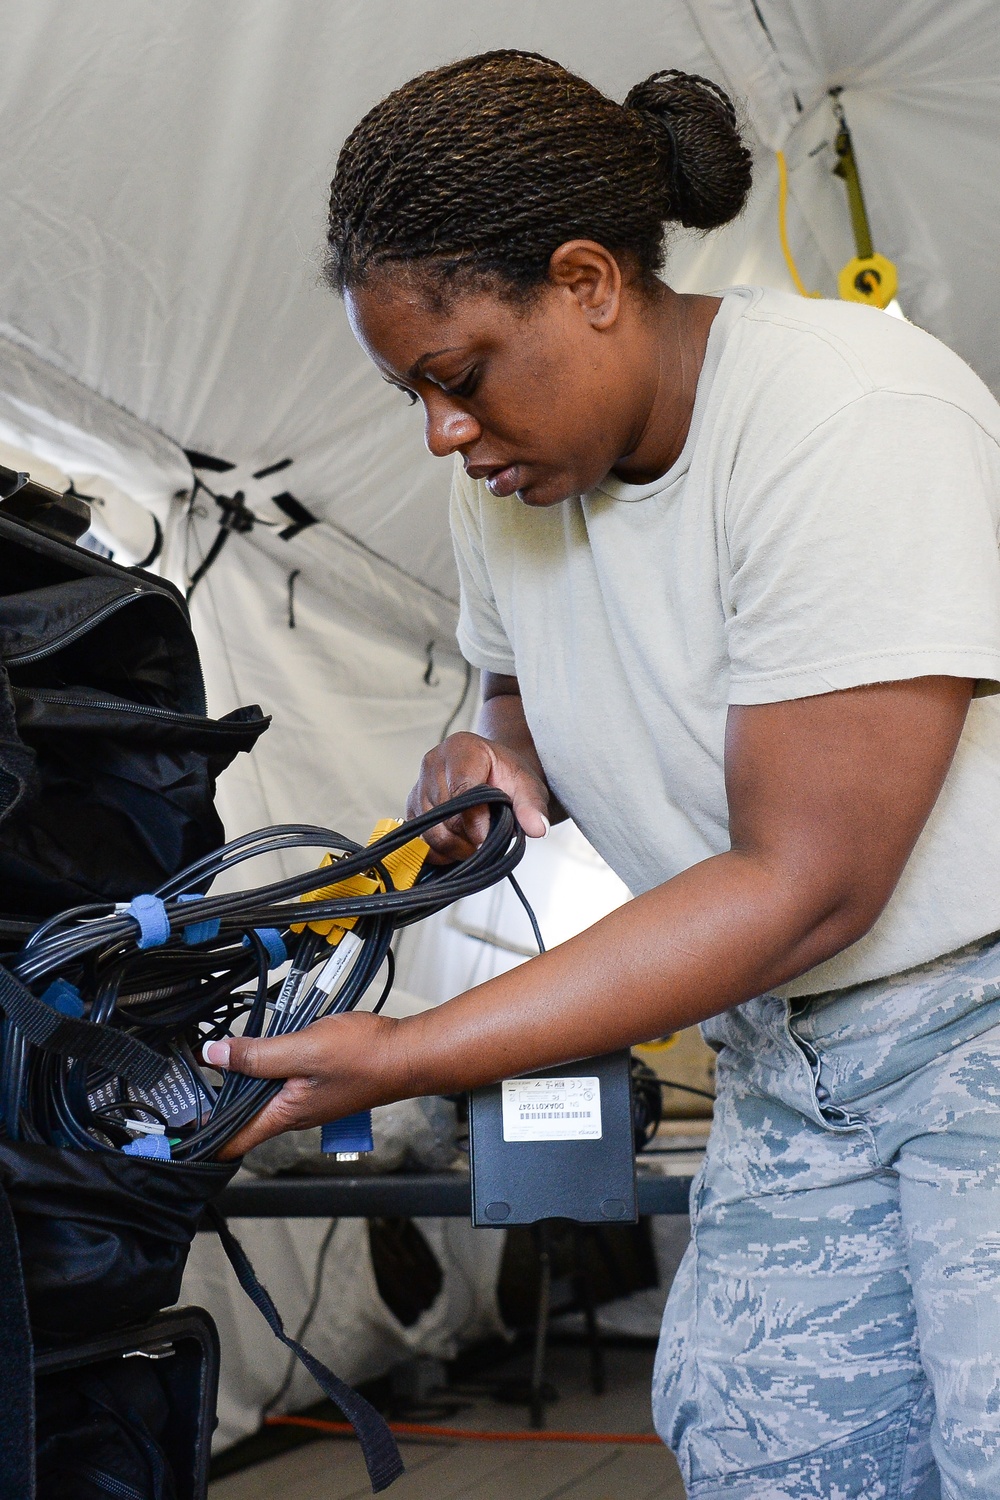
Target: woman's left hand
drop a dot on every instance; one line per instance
(333, 1068)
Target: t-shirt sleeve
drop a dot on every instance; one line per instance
(481, 635)
(867, 553)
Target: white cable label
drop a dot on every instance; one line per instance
(338, 961)
(551, 1109)
(289, 989)
(326, 980)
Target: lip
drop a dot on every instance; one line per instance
(501, 479)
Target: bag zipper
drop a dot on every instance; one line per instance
(110, 1483)
(76, 631)
(50, 695)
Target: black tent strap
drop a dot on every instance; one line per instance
(101, 1046)
(378, 1445)
(206, 461)
(296, 512)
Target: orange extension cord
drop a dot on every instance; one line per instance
(460, 1434)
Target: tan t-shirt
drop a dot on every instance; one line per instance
(832, 521)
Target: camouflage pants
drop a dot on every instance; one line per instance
(834, 1330)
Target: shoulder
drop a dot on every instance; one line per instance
(791, 363)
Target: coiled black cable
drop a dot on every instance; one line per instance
(177, 996)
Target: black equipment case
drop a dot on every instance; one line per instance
(128, 1398)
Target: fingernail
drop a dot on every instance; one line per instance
(217, 1053)
(547, 825)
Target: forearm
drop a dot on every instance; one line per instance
(502, 720)
(723, 931)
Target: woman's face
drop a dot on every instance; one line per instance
(539, 398)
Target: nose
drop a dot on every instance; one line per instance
(447, 428)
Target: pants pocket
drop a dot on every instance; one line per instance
(888, 1460)
(832, 1115)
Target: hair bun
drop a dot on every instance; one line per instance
(707, 167)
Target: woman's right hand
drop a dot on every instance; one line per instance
(465, 760)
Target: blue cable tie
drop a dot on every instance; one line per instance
(151, 915)
(200, 932)
(352, 1133)
(65, 998)
(277, 953)
(156, 1147)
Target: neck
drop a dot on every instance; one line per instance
(676, 336)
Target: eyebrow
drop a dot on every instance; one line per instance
(417, 367)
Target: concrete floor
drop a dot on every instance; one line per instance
(332, 1470)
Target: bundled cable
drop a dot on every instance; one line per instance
(106, 1008)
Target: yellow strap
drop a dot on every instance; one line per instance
(868, 277)
(786, 248)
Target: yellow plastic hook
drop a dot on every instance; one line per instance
(868, 278)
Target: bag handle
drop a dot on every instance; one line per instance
(51, 1031)
(378, 1446)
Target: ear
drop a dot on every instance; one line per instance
(592, 275)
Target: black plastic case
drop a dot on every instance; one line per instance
(591, 1181)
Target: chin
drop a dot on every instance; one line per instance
(549, 492)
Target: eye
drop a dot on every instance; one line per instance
(466, 385)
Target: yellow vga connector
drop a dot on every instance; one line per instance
(403, 864)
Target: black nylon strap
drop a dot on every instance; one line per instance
(47, 1029)
(17, 1376)
(378, 1446)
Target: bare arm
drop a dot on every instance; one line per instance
(827, 797)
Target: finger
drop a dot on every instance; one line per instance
(528, 795)
(464, 756)
(274, 1119)
(468, 829)
(459, 836)
(261, 1057)
(530, 813)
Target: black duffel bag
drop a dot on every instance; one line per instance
(104, 1237)
(107, 778)
(103, 730)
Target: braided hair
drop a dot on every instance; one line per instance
(485, 166)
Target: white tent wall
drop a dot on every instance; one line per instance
(47, 411)
(354, 702)
(164, 184)
(921, 91)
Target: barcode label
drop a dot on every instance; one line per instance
(551, 1109)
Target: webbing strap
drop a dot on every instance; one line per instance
(378, 1446)
(200, 932)
(277, 953)
(150, 915)
(47, 1029)
(17, 1376)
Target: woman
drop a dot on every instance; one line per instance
(729, 567)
